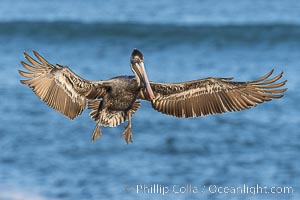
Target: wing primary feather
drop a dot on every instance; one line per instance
(239, 101)
(230, 102)
(40, 58)
(27, 74)
(271, 80)
(33, 61)
(272, 86)
(263, 77)
(31, 68)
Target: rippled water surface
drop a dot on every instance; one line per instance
(45, 156)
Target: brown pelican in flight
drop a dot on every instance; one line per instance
(114, 101)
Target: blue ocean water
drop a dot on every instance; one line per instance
(45, 156)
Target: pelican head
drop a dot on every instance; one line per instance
(137, 66)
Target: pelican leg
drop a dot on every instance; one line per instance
(97, 131)
(127, 134)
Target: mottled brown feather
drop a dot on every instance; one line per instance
(108, 117)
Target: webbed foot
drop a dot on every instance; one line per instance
(97, 132)
(127, 134)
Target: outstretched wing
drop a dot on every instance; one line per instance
(59, 87)
(213, 95)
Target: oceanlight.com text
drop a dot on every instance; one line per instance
(162, 189)
(245, 189)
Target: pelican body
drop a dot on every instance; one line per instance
(115, 101)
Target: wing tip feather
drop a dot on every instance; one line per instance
(40, 58)
(23, 82)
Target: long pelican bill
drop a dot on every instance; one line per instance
(142, 72)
